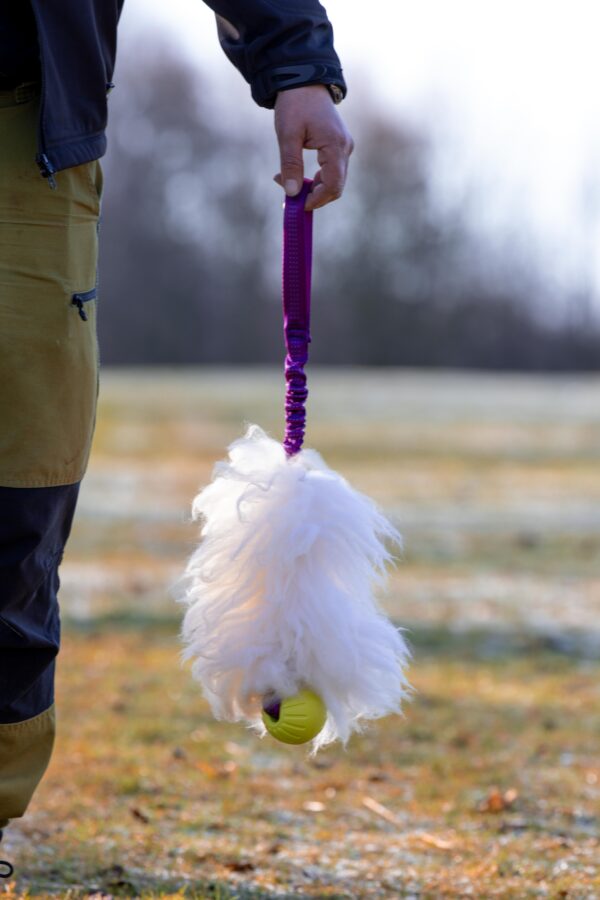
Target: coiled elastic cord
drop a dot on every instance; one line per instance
(297, 265)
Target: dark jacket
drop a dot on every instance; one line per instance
(275, 44)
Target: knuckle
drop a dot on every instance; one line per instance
(341, 140)
(334, 191)
(348, 143)
(290, 161)
(342, 144)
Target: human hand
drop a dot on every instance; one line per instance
(307, 117)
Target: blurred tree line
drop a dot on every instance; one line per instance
(191, 245)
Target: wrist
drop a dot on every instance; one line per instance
(269, 84)
(302, 90)
(333, 90)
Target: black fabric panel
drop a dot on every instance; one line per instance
(34, 527)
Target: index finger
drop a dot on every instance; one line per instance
(333, 161)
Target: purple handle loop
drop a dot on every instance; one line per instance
(297, 259)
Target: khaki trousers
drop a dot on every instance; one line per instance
(48, 391)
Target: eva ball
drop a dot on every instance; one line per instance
(295, 720)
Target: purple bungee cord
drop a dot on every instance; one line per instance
(297, 264)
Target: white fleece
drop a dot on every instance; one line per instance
(280, 591)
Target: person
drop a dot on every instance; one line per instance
(56, 65)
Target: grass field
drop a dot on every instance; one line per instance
(490, 784)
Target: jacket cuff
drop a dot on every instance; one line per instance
(269, 82)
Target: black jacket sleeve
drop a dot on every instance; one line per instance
(278, 44)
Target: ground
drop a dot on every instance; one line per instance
(489, 786)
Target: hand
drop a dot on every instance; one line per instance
(308, 117)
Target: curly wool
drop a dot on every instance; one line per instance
(280, 591)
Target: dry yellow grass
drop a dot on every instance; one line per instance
(490, 785)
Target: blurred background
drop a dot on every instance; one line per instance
(453, 377)
(468, 232)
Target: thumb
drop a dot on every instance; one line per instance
(292, 166)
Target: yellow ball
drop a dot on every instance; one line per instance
(295, 720)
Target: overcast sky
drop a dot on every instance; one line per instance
(510, 90)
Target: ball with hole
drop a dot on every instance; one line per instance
(294, 720)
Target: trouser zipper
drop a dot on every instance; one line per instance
(47, 169)
(44, 164)
(79, 299)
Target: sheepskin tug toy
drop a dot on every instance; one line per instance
(281, 622)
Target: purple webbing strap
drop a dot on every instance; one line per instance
(297, 259)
